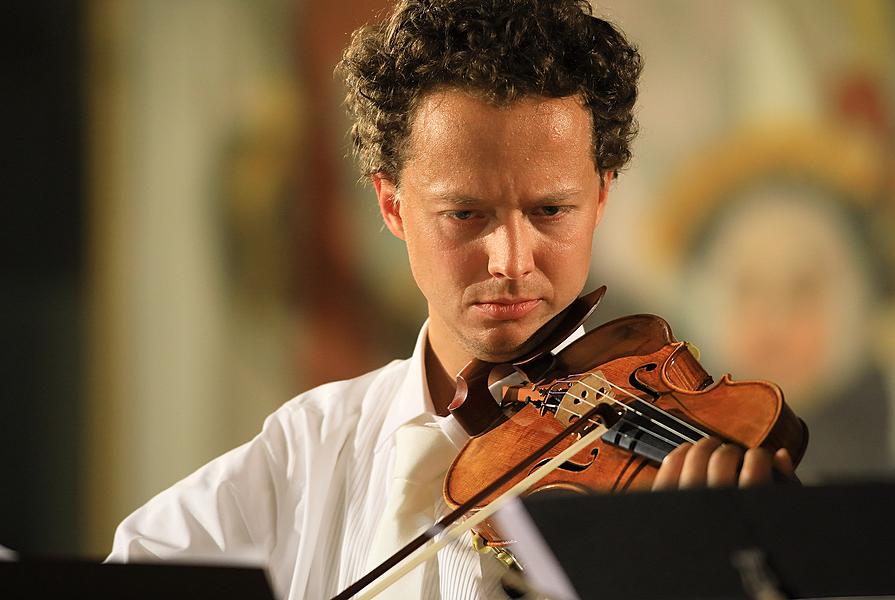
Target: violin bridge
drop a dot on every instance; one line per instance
(582, 395)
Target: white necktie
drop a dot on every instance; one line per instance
(422, 455)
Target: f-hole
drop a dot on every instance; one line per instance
(640, 385)
(569, 465)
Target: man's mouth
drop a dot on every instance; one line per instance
(507, 309)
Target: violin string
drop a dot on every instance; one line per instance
(628, 408)
(653, 433)
(638, 401)
(652, 420)
(568, 410)
(648, 406)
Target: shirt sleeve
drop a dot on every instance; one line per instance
(227, 510)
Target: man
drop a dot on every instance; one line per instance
(491, 132)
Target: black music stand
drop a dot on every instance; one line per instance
(781, 541)
(43, 578)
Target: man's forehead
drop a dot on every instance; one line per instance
(443, 105)
(458, 136)
(454, 120)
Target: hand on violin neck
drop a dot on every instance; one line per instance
(710, 463)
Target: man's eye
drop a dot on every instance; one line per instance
(550, 210)
(462, 215)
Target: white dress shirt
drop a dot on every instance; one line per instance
(304, 497)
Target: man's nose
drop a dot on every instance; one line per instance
(511, 249)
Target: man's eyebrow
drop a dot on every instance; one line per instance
(457, 199)
(553, 197)
(559, 195)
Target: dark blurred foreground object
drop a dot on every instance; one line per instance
(782, 541)
(77, 579)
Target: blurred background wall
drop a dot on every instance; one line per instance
(186, 245)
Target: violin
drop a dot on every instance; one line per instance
(648, 395)
(598, 416)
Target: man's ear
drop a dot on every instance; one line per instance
(606, 179)
(387, 194)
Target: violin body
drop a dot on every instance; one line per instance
(654, 393)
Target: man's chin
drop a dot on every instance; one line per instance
(503, 349)
(506, 341)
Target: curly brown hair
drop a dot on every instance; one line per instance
(501, 49)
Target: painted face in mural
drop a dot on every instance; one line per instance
(497, 206)
(786, 295)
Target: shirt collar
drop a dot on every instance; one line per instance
(412, 399)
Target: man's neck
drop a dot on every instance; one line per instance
(441, 383)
